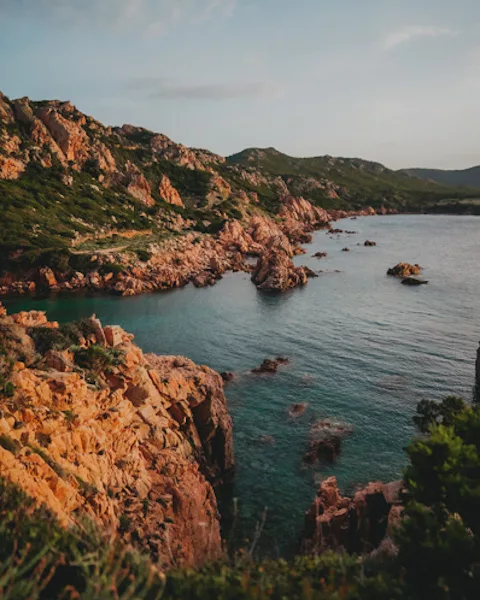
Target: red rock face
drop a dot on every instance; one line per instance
(70, 137)
(137, 450)
(168, 193)
(357, 524)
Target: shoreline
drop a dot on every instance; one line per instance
(201, 259)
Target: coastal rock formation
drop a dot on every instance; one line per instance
(100, 429)
(357, 524)
(275, 270)
(271, 366)
(404, 270)
(325, 440)
(168, 193)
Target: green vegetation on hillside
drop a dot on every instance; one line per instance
(462, 177)
(363, 183)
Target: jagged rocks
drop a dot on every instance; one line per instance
(275, 270)
(11, 168)
(357, 524)
(168, 193)
(139, 443)
(404, 270)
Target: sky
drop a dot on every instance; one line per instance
(396, 81)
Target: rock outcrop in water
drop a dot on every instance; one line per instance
(275, 271)
(97, 428)
(357, 524)
(404, 270)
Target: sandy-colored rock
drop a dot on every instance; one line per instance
(11, 168)
(141, 447)
(168, 193)
(68, 134)
(404, 270)
(137, 185)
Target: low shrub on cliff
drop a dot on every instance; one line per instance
(96, 358)
(66, 335)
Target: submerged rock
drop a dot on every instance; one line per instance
(325, 440)
(271, 365)
(404, 270)
(227, 376)
(298, 409)
(345, 249)
(413, 281)
(320, 255)
(370, 243)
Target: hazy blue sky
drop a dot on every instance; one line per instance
(396, 81)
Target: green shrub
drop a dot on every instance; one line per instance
(96, 358)
(9, 444)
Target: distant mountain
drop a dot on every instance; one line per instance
(464, 177)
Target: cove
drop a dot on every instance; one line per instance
(363, 349)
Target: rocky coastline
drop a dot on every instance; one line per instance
(201, 259)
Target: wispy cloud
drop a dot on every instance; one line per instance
(406, 34)
(151, 16)
(167, 88)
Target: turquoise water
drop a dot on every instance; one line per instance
(363, 348)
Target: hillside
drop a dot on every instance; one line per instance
(463, 177)
(84, 199)
(341, 183)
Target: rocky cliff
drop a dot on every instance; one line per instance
(90, 426)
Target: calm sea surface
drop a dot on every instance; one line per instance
(363, 348)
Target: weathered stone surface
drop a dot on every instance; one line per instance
(357, 524)
(404, 270)
(11, 168)
(144, 444)
(275, 270)
(168, 193)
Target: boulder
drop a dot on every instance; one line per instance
(320, 255)
(404, 269)
(370, 243)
